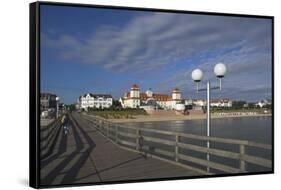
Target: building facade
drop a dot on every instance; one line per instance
(150, 100)
(199, 103)
(90, 100)
(47, 101)
(221, 103)
(263, 103)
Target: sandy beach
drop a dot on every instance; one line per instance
(151, 118)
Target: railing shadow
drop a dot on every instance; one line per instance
(112, 167)
(72, 172)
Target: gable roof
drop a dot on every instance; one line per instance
(98, 95)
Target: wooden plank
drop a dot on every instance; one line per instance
(215, 139)
(222, 153)
(260, 145)
(210, 164)
(258, 161)
(158, 140)
(127, 134)
(164, 152)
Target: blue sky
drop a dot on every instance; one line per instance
(106, 51)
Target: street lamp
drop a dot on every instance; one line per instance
(197, 76)
(57, 100)
(220, 70)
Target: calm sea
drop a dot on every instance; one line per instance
(256, 129)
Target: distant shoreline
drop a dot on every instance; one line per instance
(151, 118)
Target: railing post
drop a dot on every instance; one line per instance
(176, 148)
(116, 133)
(107, 130)
(242, 162)
(137, 139)
(102, 127)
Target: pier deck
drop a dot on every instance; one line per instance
(84, 155)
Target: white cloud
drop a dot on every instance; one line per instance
(149, 42)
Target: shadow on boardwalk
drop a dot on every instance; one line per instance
(84, 155)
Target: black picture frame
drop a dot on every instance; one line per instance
(34, 91)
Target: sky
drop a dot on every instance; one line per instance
(106, 51)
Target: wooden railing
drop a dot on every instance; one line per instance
(48, 137)
(148, 142)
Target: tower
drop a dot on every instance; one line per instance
(134, 96)
(149, 93)
(135, 91)
(176, 94)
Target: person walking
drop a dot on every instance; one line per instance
(64, 124)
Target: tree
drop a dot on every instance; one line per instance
(72, 107)
(238, 104)
(116, 104)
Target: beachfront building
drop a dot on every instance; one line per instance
(188, 102)
(47, 101)
(150, 100)
(48, 104)
(263, 103)
(199, 103)
(90, 100)
(221, 103)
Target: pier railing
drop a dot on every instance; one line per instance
(48, 137)
(186, 150)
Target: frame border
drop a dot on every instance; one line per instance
(34, 91)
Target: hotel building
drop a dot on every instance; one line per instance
(90, 100)
(150, 100)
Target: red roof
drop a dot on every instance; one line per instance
(156, 97)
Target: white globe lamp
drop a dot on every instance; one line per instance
(197, 75)
(220, 70)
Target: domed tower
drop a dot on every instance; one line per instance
(149, 93)
(134, 100)
(135, 91)
(176, 94)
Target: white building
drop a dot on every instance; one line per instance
(222, 103)
(95, 101)
(136, 99)
(199, 103)
(263, 103)
(188, 102)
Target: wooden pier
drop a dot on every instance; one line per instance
(188, 150)
(86, 155)
(95, 150)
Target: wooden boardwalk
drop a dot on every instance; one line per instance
(84, 155)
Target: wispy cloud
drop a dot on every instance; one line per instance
(156, 40)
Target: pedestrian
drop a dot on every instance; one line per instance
(65, 129)
(64, 124)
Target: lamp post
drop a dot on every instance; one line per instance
(197, 76)
(57, 111)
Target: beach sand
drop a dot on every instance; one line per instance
(151, 118)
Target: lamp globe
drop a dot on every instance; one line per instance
(197, 75)
(220, 70)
